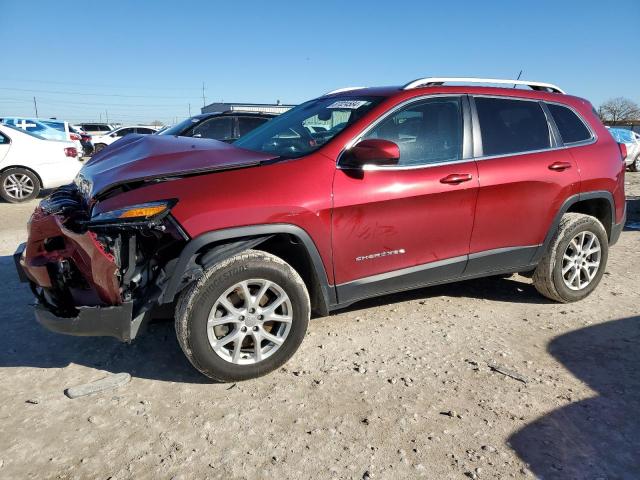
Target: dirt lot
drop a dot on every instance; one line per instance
(398, 387)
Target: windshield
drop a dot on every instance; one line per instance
(25, 132)
(621, 135)
(307, 127)
(31, 125)
(57, 125)
(178, 128)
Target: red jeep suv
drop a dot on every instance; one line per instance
(357, 193)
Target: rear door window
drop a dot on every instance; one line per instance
(246, 124)
(124, 131)
(218, 128)
(511, 126)
(571, 128)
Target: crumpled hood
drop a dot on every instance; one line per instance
(147, 157)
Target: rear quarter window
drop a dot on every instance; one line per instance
(572, 129)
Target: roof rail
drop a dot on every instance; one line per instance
(340, 90)
(433, 81)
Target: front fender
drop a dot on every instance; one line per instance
(242, 238)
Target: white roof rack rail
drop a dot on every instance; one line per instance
(433, 81)
(340, 90)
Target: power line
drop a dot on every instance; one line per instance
(30, 90)
(64, 102)
(96, 85)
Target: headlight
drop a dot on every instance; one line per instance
(142, 212)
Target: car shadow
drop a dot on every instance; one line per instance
(24, 343)
(598, 437)
(633, 213)
(512, 289)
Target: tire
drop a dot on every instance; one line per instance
(548, 277)
(97, 147)
(635, 166)
(202, 302)
(19, 185)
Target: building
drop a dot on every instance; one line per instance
(246, 107)
(633, 125)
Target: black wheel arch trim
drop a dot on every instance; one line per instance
(243, 241)
(572, 200)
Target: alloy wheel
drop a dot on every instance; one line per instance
(581, 260)
(18, 186)
(250, 321)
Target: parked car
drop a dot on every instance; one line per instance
(410, 186)
(166, 127)
(85, 141)
(69, 132)
(101, 141)
(631, 141)
(224, 126)
(96, 128)
(36, 126)
(29, 162)
(47, 128)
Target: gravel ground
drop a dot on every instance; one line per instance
(397, 387)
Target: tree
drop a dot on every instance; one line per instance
(619, 109)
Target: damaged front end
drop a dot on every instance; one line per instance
(101, 275)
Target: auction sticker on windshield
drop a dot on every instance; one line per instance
(348, 104)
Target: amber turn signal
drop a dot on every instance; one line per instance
(143, 212)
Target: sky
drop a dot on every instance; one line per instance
(135, 62)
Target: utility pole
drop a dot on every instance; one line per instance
(106, 115)
(35, 105)
(189, 110)
(204, 102)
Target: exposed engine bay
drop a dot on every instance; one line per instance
(72, 260)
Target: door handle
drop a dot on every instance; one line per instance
(559, 166)
(456, 178)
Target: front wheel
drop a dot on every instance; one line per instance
(19, 185)
(575, 261)
(244, 318)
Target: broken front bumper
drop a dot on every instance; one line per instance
(99, 321)
(114, 322)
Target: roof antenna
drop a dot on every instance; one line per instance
(519, 75)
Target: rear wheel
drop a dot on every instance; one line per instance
(97, 147)
(244, 318)
(575, 261)
(19, 185)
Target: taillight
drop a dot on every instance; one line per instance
(623, 151)
(71, 152)
(74, 136)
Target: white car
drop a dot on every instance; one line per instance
(68, 131)
(46, 128)
(101, 141)
(29, 162)
(631, 141)
(96, 128)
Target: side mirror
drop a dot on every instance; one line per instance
(372, 151)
